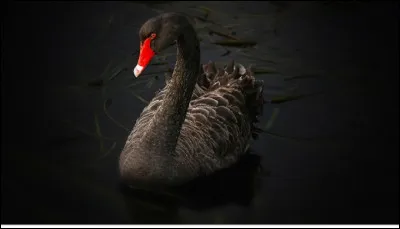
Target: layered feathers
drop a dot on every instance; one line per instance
(220, 120)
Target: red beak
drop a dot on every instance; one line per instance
(145, 56)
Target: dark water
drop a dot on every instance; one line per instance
(337, 161)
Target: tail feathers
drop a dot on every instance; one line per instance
(255, 103)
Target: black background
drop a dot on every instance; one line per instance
(365, 190)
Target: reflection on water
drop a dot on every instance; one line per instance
(235, 185)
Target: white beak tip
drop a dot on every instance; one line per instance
(137, 70)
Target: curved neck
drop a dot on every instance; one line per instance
(164, 128)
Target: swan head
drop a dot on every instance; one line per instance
(157, 34)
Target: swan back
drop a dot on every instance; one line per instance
(221, 118)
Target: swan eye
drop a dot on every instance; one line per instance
(150, 36)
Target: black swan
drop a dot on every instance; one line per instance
(202, 121)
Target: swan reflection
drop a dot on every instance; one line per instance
(235, 185)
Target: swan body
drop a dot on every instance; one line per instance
(200, 122)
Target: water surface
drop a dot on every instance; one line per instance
(328, 158)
